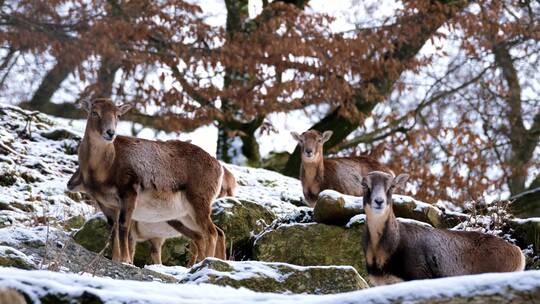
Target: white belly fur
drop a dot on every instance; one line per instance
(154, 208)
(155, 230)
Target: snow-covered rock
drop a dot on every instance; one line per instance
(527, 234)
(276, 277)
(40, 286)
(335, 208)
(53, 249)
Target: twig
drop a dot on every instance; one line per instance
(7, 148)
(46, 243)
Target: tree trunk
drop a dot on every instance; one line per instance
(52, 81)
(240, 147)
(105, 77)
(236, 142)
(522, 141)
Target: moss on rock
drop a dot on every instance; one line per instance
(94, 234)
(10, 257)
(74, 222)
(240, 220)
(312, 244)
(173, 253)
(8, 179)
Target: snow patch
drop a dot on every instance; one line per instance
(38, 283)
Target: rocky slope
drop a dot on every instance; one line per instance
(280, 245)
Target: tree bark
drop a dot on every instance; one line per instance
(237, 13)
(523, 141)
(105, 77)
(52, 81)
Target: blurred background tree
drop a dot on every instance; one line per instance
(444, 90)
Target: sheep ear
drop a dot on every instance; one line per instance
(296, 136)
(401, 180)
(124, 108)
(364, 182)
(86, 104)
(326, 135)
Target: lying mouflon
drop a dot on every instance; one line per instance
(398, 251)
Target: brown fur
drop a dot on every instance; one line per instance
(154, 233)
(228, 186)
(11, 296)
(397, 250)
(342, 174)
(146, 180)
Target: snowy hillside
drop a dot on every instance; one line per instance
(51, 240)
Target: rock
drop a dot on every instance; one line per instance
(5, 206)
(240, 220)
(74, 223)
(55, 250)
(276, 161)
(527, 232)
(452, 219)
(526, 204)
(504, 288)
(335, 208)
(408, 207)
(95, 233)
(11, 257)
(175, 251)
(276, 277)
(312, 244)
(60, 134)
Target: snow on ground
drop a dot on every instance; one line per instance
(41, 168)
(34, 173)
(177, 272)
(38, 283)
(13, 235)
(268, 188)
